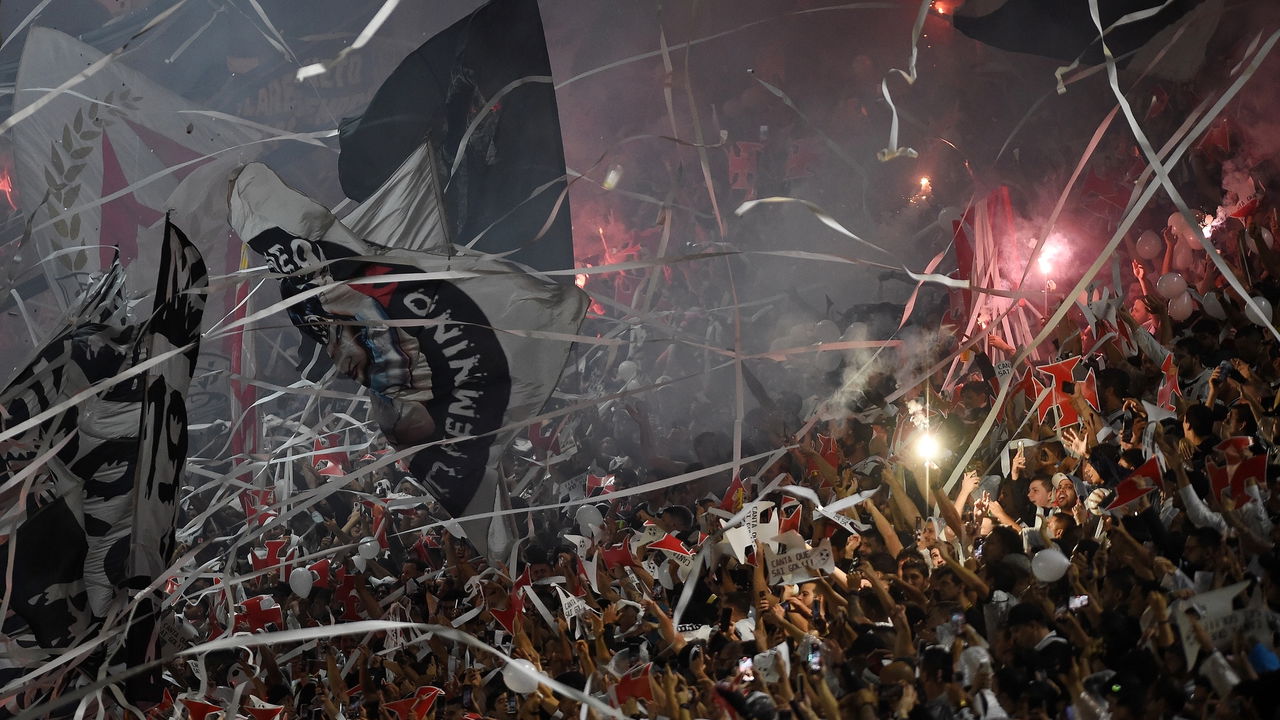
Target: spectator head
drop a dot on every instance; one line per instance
(1141, 310)
(1131, 459)
(1239, 421)
(1060, 524)
(1065, 495)
(946, 584)
(937, 667)
(1000, 542)
(1027, 625)
(1197, 423)
(675, 519)
(1113, 388)
(412, 569)
(915, 573)
(1040, 491)
(1202, 547)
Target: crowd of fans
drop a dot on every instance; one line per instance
(1113, 557)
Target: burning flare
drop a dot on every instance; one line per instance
(6, 187)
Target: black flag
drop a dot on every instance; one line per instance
(480, 93)
(1064, 29)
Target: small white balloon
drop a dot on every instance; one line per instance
(1213, 307)
(1265, 306)
(369, 548)
(1149, 245)
(1267, 238)
(627, 371)
(1181, 307)
(359, 562)
(588, 516)
(1190, 235)
(1171, 285)
(520, 676)
(300, 581)
(1050, 565)
(826, 331)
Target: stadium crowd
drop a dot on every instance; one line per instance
(1108, 549)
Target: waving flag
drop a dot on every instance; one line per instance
(109, 153)
(490, 119)
(1063, 29)
(457, 362)
(109, 500)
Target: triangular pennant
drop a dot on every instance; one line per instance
(636, 683)
(199, 709)
(617, 556)
(1090, 391)
(1253, 468)
(735, 496)
(1168, 383)
(671, 543)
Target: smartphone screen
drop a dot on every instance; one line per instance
(1077, 601)
(745, 666)
(815, 658)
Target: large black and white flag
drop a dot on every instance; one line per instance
(455, 355)
(103, 469)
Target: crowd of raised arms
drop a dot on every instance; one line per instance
(1113, 557)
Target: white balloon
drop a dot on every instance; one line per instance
(1183, 256)
(588, 516)
(300, 581)
(855, 331)
(359, 562)
(1181, 307)
(1213, 307)
(1190, 235)
(369, 548)
(1171, 285)
(627, 370)
(1267, 238)
(826, 331)
(520, 676)
(1049, 565)
(1265, 306)
(1149, 245)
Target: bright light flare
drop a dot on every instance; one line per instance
(1209, 224)
(581, 279)
(928, 448)
(1053, 252)
(925, 185)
